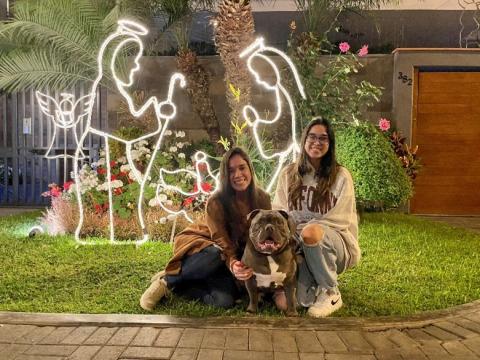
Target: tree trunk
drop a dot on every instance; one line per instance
(198, 86)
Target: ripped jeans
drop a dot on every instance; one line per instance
(321, 265)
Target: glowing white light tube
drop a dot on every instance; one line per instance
(200, 161)
(251, 115)
(131, 30)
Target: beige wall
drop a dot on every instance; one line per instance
(156, 72)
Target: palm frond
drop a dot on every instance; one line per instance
(41, 68)
(72, 26)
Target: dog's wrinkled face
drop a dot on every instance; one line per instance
(270, 230)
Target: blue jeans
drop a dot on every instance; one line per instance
(205, 277)
(320, 266)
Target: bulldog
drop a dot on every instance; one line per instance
(270, 253)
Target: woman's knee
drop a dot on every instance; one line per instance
(312, 234)
(212, 256)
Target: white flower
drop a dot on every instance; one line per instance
(173, 149)
(162, 197)
(181, 155)
(169, 202)
(153, 202)
(135, 154)
(168, 132)
(101, 162)
(152, 185)
(171, 217)
(163, 220)
(117, 184)
(180, 145)
(180, 134)
(148, 156)
(102, 187)
(125, 168)
(141, 143)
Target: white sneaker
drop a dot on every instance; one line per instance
(326, 303)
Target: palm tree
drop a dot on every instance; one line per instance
(234, 30)
(180, 14)
(54, 43)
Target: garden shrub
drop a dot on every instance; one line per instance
(379, 179)
(62, 218)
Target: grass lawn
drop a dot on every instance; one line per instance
(409, 265)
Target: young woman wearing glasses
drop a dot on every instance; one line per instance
(319, 194)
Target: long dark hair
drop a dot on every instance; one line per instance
(326, 173)
(226, 193)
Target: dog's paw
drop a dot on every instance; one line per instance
(252, 309)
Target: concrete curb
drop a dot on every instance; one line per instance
(368, 324)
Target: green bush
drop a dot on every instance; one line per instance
(380, 181)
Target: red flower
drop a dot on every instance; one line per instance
(207, 187)
(113, 163)
(101, 171)
(117, 191)
(98, 208)
(188, 201)
(113, 177)
(122, 173)
(67, 185)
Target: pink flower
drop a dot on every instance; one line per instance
(344, 47)
(55, 192)
(67, 185)
(363, 51)
(384, 124)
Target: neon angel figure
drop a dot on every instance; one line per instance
(62, 115)
(257, 51)
(128, 32)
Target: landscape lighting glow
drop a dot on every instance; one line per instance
(257, 50)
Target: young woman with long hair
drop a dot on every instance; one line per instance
(319, 195)
(206, 254)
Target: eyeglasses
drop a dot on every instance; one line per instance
(322, 139)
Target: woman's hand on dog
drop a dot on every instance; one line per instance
(240, 271)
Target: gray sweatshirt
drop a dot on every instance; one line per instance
(337, 210)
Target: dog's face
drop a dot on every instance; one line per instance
(270, 230)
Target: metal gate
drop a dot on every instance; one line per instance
(25, 137)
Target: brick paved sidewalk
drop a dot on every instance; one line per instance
(447, 335)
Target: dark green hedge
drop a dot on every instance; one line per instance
(379, 178)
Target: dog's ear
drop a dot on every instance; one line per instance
(252, 215)
(291, 223)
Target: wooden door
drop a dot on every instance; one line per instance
(446, 127)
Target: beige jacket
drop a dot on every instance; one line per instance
(337, 210)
